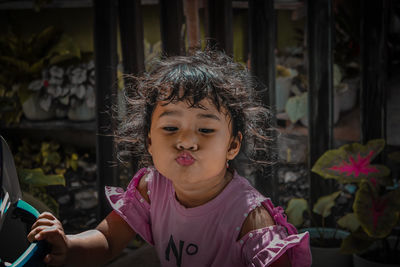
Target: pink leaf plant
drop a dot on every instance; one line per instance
(376, 206)
(351, 163)
(377, 212)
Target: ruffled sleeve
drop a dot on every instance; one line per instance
(263, 246)
(132, 207)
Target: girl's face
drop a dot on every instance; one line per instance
(191, 146)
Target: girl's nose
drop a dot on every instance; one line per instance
(182, 146)
(187, 141)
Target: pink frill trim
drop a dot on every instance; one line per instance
(264, 246)
(131, 206)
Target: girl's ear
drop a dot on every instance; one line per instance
(234, 147)
(149, 149)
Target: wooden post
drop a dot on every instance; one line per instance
(374, 28)
(220, 25)
(105, 54)
(131, 32)
(192, 23)
(262, 31)
(172, 31)
(320, 26)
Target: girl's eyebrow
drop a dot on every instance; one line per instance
(180, 113)
(207, 116)
(170, 113)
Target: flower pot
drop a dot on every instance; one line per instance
(61, 113)
(282, 90)
(347, 96)
(33, 111)
(328, 256)
(359, 261)
(81, 113)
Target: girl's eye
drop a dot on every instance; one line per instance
(170, 129)
(206, 131)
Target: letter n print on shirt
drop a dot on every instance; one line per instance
(191, 249)
(178, 255)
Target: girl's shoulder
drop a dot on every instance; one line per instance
(148, 181)
(142, 187)
(243, 191)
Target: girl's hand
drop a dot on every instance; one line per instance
(48, 228)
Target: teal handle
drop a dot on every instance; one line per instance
(34, 254)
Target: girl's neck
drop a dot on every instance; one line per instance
(197, 196)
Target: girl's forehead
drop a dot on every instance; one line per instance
(205, 106)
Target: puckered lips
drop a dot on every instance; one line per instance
(185, 159)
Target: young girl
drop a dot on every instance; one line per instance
(188, 121)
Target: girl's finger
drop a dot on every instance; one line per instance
(33, 234)
(47, 215)
(53, 235)
(41, 222)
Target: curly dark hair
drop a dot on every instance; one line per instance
(202, 75)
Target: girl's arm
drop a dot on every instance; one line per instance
(96, 247)
(90, 248)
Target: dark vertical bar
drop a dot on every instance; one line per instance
(105, 54)
(374, 23)
(262, 31)
(262, 24)
(172, 31)
(131, 32)
(220, 26)
(320, 101)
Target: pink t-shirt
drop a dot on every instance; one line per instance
(207, 235)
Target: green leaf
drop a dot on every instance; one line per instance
(72, 162)
(296, 107)
(377, 214)
(337, 75)
(18, 64)
(24, 93)
(53, 158)
(36, 177)
(295, 210)
(36, 67)
(324, 204)
(356, 242)
(65, 49)
(351, 163)
(42, 42)
(349, 221)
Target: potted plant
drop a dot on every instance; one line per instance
(284, 77)
(68, 91)
(376, 206)
(82, 86)
(10, 108)
(297, 105)
(23, 59)
(325, 241)
(40, 165)
(347, 50)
